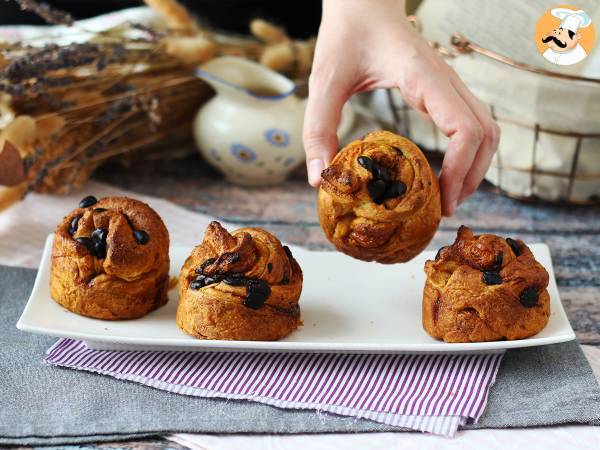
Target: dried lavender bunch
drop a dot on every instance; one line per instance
(54, 57)
(66, 109)
(45, 11)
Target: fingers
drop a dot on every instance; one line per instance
(326, 99)
(456, 120)
(488, 146)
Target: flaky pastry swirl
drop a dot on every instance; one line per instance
(390, 220)
(110, 259)
(485, 288)
(242, 285)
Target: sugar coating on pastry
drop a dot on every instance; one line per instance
(485, 288)
(242, 285)
(379, 199)
(110, 259)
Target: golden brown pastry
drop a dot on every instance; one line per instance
(484, 288)
(239, 286)
(110, 259)
(379, 200)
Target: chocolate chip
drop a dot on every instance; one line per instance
(88, 201)
(235, 279)
(285, 280)
(210, 280)
(99, 234)
(529, 297)
(366, 162)
(376, 189)
(381, 173)
(74, 224)
(514, 245)
(492, 278)
(196, 284)
(207, 263)
(99, 249)
(287, 251)
(203, 280)
(259, 286)
(99, 240)
(141, 237)
(100, 210)
(231, 257)
(254, 301)
(395, 189)
(258, 292)
(86, 242)
(269, 267)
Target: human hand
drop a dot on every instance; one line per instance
(364, 45)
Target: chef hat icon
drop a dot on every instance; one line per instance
(572, 20)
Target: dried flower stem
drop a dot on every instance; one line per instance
(45, 11)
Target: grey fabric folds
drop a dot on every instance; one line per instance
(41, 404)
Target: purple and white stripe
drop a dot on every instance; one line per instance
(433, 393)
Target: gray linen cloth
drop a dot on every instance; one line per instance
(41, 404)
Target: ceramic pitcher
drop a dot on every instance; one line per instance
(251, 130)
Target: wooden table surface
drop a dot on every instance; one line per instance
(289, 211)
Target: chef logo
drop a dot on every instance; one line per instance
(565, 35)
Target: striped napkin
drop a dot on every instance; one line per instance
(435, 393)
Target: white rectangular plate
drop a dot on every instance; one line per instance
(347, 306)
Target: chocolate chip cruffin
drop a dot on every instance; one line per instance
(485, 288)
(379, 199)
(110, 259)
(242, 285)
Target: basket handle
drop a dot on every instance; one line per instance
(464, 46)
(461, 45)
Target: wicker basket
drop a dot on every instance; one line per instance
(553, 164)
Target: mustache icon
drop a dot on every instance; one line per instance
(555, 40)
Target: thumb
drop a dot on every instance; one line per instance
(326, 97)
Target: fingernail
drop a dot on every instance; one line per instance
(315, 167)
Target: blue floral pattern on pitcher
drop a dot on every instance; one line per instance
(277, 137)
(243, 153)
